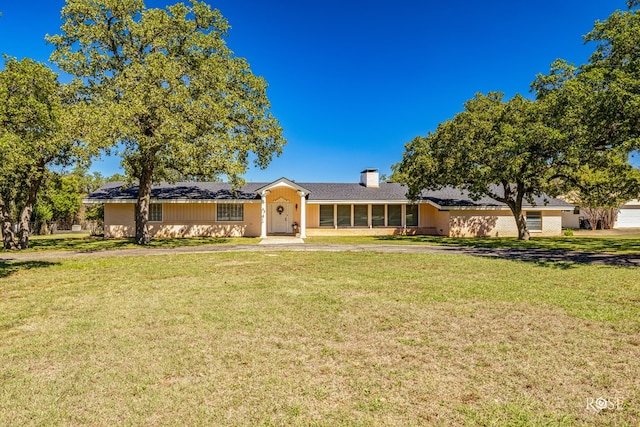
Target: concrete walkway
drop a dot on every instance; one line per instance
(281, 240)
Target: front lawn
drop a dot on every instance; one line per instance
(317, 338)
(623, 244)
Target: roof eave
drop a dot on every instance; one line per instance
(504, 208)
(168, 201)
(280, 183)
(357, 201)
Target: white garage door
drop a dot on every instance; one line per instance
(628, 217)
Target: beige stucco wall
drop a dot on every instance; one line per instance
(198, 219)
(433, 219)
(365, 231)
(498, 224)
(424, 217)
(570, 219)
(182, 220)
(551, 224)
(313, 216)
(119, 220)
(482, 223)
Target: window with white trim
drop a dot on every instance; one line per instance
(155, 212)
(394, 215)
(326, 215)
(377, 215)
(230, 212)
(534, 220)
(360, 215)
(344, 215)
(411, 216)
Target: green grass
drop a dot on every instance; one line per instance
(623, 244)
(316, 338)
(615, 244)
(86, 243)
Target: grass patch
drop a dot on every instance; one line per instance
(7, 269)
(316, 338)
(614, 244)
(86, 243)
(622, 244)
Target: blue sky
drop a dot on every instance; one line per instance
(353, 81)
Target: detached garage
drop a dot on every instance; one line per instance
(629, 215)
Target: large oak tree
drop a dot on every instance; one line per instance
(574, 138)
(597, 105)
(34, 134)
(599, 102)
(504, 150)
(165, 92)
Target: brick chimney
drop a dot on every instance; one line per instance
(370, 178)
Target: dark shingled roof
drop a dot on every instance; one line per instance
(179, 191)
(448, 197)
(452, 197)
(350, 191)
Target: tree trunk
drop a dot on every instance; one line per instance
(25, 216)
(593, 214)
(516, 210)
(609, 217)
(142, 207)
(521, 222)
(23, 226)
(8, 237)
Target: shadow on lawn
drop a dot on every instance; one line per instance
(554, 252)
(586, 244)
(9, 268)
(88, 244)
(557, 258)
(94, 244)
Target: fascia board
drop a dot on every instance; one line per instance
(164, 201)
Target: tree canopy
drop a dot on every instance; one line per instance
(34, 134)
(597, 103)
(597, 106)
(162, 88)
(574, 138)
(501, 149)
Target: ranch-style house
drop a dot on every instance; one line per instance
(189, 209)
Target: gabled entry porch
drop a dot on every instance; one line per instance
(283, 209)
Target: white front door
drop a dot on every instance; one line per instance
(280, 218)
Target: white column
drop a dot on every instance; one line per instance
(353, 209)
(303, 215)
(263, 216)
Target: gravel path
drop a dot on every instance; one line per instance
(532, 255)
